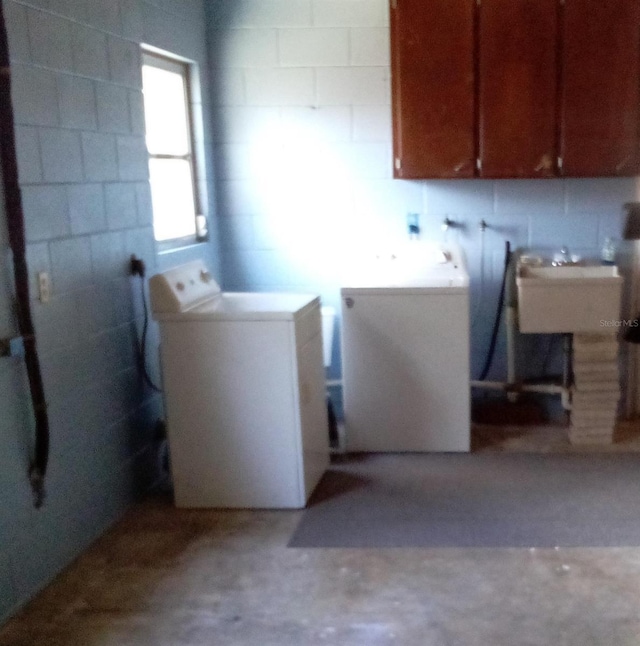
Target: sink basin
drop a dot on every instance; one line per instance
(568, 298)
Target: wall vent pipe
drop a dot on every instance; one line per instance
(15, 225)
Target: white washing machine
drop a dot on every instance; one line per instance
(405, 349)
(243, 382)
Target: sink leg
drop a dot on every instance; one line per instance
(511, 351)
(566, 365)
(566, 370)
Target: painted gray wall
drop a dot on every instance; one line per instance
(302, 127)
(84, 178)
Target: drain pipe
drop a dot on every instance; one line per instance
(15, 225)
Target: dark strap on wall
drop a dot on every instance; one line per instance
(15, 225)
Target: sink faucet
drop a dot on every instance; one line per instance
(563, 258)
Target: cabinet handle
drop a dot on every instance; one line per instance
(545, 163)
(622, 165)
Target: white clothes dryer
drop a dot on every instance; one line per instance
(405, 352)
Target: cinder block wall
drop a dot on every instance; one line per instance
(302, 122)
(83, 172)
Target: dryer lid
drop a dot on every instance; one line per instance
(182, 288)
(414, 266)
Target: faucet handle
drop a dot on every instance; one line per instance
(447, 224)
(564, 257)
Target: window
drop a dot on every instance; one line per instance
(165, 85)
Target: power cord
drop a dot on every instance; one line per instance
(138, 269)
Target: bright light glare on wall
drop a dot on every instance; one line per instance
(168, 142)
(316, 202)
(303, 185)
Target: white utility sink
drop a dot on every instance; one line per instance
(568, 298)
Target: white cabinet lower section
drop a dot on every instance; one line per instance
(406, 370)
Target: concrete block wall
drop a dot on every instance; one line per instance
(296, 117)
(302, 128)
(76, 89)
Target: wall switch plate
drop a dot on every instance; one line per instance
(44, 287)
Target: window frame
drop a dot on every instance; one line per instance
(184, 68)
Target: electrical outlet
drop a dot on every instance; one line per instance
(137, 267)
(44, 287)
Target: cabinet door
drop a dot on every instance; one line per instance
(433, 88)
(518, 43)
(600, 75)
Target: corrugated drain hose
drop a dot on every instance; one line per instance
(15, 224)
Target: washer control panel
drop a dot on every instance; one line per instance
(181, 288)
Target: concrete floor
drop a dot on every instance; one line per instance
(165, 577)
(550, 438)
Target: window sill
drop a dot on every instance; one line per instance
(167, 247)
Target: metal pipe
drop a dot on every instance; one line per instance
(547, 389)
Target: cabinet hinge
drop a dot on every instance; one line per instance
(479, 164)
(397, 163)
(394, 4)
(478, 2)
(560, 162)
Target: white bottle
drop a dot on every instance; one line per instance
(608, 253)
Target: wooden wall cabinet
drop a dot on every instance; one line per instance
(600, 109)
(433, 88)
(515, 88)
